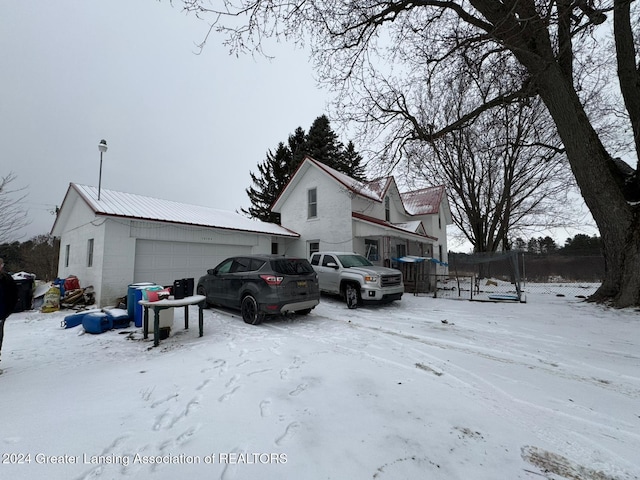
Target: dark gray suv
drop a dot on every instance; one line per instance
(260, 285)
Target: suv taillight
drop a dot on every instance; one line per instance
(272, 279)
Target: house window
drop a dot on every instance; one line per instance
(274, 248)
(312, 204)
(90, 252)
(401, 250)
(440, 253)
(371, 249)
(314, 247)
(439, 221)
(67, 250)
(387, 211)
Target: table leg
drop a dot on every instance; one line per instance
(156, 327)
(200, 319)
(186, 317)
(145, 323)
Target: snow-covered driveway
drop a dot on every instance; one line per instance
(422, 388)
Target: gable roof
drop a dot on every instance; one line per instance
(138, 207)
(425, 201)
(375, 189)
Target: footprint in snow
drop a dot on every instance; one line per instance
(298, 390)
(265, 407)
(289, 433)
(228, 395)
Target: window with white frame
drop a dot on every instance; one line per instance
(387, 209)
(90, 252)
(312, 203)
(314, 247)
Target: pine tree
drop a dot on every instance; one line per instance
(321, 143)
(273, 177)
(352, 162)
(297, 146)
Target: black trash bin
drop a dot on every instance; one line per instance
(188, 287)
(25, 294)
(179, 288)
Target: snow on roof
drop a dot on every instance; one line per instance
(374, 189)
(129, 205)
(412, 226)
(425, 201)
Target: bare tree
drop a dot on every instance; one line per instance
(504, 172)
(519, 48)
(14, 215)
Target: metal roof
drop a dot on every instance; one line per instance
(132, 206)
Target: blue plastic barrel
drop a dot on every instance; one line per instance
(133, 295)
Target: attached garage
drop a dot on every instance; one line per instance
(164, 261)
(125, 238)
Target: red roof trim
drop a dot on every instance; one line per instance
(384, 223)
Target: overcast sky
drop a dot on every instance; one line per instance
(178, 125)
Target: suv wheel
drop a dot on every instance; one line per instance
(250, 312)
(351, 295)
(201, 291)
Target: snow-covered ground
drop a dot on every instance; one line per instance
(420, 389)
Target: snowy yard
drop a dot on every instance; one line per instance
(421, 389)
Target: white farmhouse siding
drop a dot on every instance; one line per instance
(142, 239)
(332, 225)
(116, 264)
(372, 218)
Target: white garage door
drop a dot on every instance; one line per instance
(163, 262)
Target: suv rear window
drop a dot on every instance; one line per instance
(291, 266)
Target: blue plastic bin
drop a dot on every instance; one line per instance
(134, 294)
(119, 318)
(75, 319)
(97, 322)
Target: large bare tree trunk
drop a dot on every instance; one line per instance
(600, 183)
(596, 173)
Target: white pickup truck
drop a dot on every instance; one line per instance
(356, 279)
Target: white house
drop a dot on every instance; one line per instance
(125, 238)
(332, 211)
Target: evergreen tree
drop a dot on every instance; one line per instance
(352, 161)
(321, 143)
(583, 244)
(273, 176)
(533, 246)
(520, 244)
(297, 146)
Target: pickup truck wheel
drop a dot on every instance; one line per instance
(352, 296)
(250, 311)
(306, 311)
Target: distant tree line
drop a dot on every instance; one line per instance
(542, 260)
(38, 256)
(579, 245)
